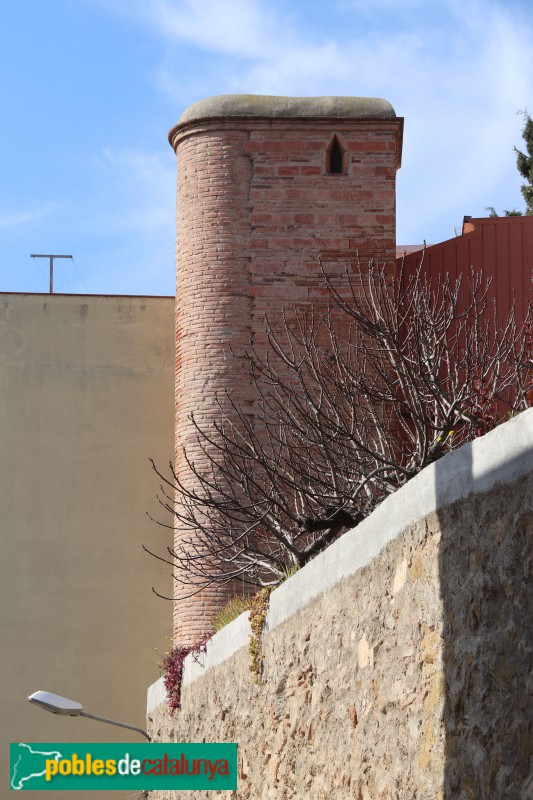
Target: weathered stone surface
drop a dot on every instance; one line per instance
(408, 680)
(260, 105)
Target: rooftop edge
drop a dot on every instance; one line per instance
(274, 106)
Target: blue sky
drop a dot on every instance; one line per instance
(90, 88)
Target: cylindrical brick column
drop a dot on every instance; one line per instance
(268, 188)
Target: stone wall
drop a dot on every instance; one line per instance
(398, 663)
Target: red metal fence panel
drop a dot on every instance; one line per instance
(502, 247)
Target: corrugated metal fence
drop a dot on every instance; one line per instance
(502, 247)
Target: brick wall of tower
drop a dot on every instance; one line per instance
(256, 213)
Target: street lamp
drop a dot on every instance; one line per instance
(64, 707)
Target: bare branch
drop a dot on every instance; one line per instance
(351, 403)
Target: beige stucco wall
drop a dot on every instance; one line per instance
(397, 664)
(86, 397)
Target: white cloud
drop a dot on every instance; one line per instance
(457, 70)
(15, 218)
(232, 27)
(461, 125)
(364, 6)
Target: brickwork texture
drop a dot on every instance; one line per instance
(258, 213)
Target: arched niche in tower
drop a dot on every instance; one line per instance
(336, 157)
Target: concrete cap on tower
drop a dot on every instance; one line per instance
(271, 107)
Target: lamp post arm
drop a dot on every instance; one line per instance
(113, 722)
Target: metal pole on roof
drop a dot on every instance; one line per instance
(51, 257)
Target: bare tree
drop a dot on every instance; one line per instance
(351, 404)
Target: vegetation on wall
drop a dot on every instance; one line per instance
(351, 405)
(258, 613)
(173, 665)
(230, 611)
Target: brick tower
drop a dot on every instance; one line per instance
(268, 187)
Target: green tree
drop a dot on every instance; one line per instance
(524, 162)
